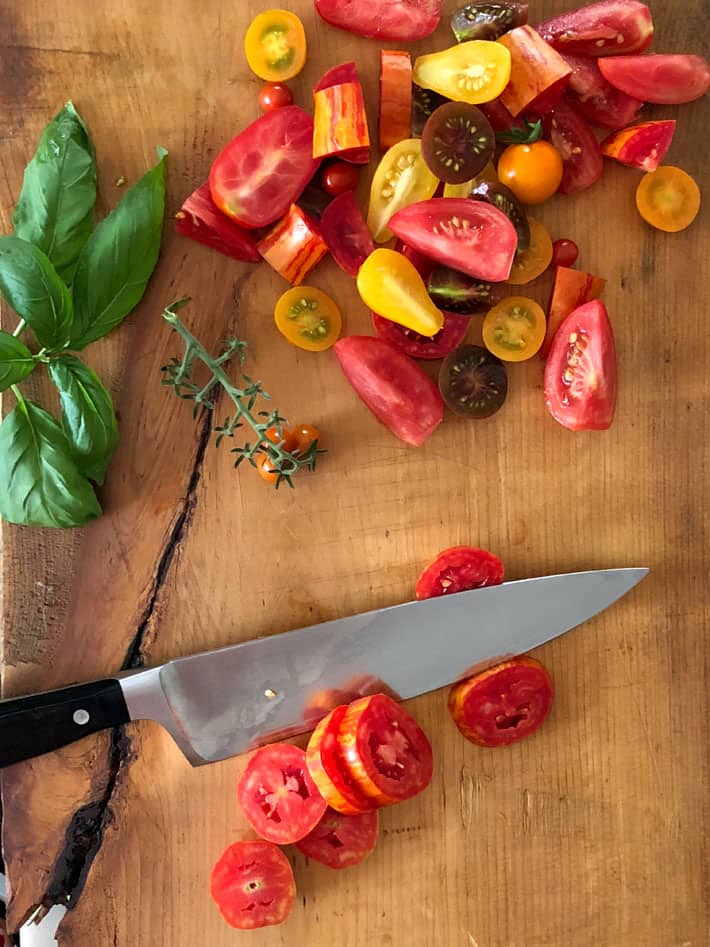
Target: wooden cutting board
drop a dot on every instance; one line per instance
(589, 833)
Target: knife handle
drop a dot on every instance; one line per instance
(30, 726)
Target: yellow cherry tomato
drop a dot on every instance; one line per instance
(531, 263)
(402, 178)
(532, 172)
(390, 285)
(668, 199)
(308, 318)
(514, 329)
(463, 190)
(275, 45)
(473, 72)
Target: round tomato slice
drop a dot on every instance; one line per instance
(340, 841)
(578, 145)
(514, 329)
(457, 570)
(580, 374)
(606, 28)
(659, 78)
(328, 769)
(279, 798)
(260, 173)
(503, 704)
(449, 337)
(344, 230)
(253, 885)
(531, 263)
(668, 199)
(402, 178)
(467, 235)
(275, 45)
(308, 318)
(386, 751)
(389, 20)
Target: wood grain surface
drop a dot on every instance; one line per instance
(592, 831)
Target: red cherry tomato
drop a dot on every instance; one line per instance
(457, 570)
(252, 885)
(339, 177)
(275, 95)
(328, 769)
(564, 253)
(340, 841)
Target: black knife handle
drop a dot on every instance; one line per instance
(30, 726)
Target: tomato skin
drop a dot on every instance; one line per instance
(503, 704)
(275, 95)
(339, 177)
(448, 71)
(449, 337)
(596, 99)
(389, 284)
(564, 253)
(253, 886)
(345, 232)
(532, 172)
(388, 20)
(459, 569)
(200, 219)
(641, 146)
(668, 199)
(275, 32)
(328, 769)
(341, 841)
(571, 289)
(395, 97)
(578, 146)
(662, 79)
(607, 28)
(538, 74)
(294, 246)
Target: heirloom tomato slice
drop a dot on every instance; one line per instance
(514, 329)
(388, 20)
(472, 72)
(578, 146)
(328, 769)
(340, 841)
(641, 146)
(200, 219)
(668, 199)
(253, 886)
(457, 570)
(607, 28)
(661, 79)
(596, 99)
(344, 230)
(449, 337)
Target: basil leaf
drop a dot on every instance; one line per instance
(31, 285)
(56, 205)
(16, 361)
(119, 258)
(42, 485)
(88, 417)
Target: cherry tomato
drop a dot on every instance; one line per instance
(457, 570)
(308, 318)
(275, 95)
(503, 704)
(200, 219)
(304, 435)
(596, 99)
(642, 146)
(275, 45)
(668, 199)
(473, 72)
(661, 79)
(564, 253)
(328, 768)
(340, 841)
(606, 28)
(339, 177)
(572, 288)
(473, 383)
(532, 262)
(457, 142)
(578, 146)
(253, 886)
(449, 337)
(285, 437)
(344, 230)
(514, 329)
(532, 172)
(455, 292)
(402, 177)
(266, 468)
(390, 285)
(386, 20)
(538, 74)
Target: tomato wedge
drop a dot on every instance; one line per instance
(389, 284)
(457, 570)
(395, 97)
(345, 231)
(386, 751)
(641, 146)
(571, 289)
(253, 885)
(340, 841)
(448, 338)
(503, 704)
(538, 74)
(580, 374)
(467, 235)
(340, 122)
(577, 143)
(200, 219)
(328, 769)
(607, 28)
(260, 173)
(596, 99)
(392, 386)
(279, 798)
(389, 20)
(661, 79)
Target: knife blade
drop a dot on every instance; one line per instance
(224, 702)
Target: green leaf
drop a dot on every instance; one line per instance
(41, 484)
(119, 258)
(34, 289)
(88, 417)
(16, 361)
(56, 206)
(531, 133)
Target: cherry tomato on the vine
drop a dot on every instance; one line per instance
(266, 468)
(564, 253)
(275, 95)
(532, 172)
(304, 436)
(339, 177)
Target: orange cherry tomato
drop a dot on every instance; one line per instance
(275, 95)
(284, 436)
(275, 45)
(304, 436)
(514, 330)
(308, 318)
(532, 172)
(531, 263)
(267, 468)
(668, 199)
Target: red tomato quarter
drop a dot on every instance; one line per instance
(661, 79)
(340, 841)
(201, 220)
(457, 570)
(252, 885)
(388, 20)
(278, 795)
(261, 172)
(577, 143)
(580, 375)
(345, 231)
(641, 146)
(596, 99)
(386, 751)
(328, 769)
(503, 704)
(607, 28)
(448, 338)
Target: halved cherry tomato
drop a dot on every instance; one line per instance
(392, 386)
(345, 231)
(402, 178)
(260, 173)
(595, 98)
(532, 172)
(487, 20)
(578, 146)
(455, 291)
(390, 285)
(267, 469)
(472, 72)
(580, 374)
(387, 20)
(275, 95)
(457, 142)
(277, 793)
(571, 289)
(503, 704)
(606, 28)
(253, 885)
(294, 246)
(474, 383)
(424, 103)
(470, 236)
(305, 436)
(395, 97)
(641, 146)
(457, 570)
(564, 253)
(514, 329)
(531, 263)
(340, 841)
(340, 122)
(308, 317)
(328, 768)
(275, 45)
(200, 219)
(385, 749)
(661, 79)
(449, 337)
(337, 177)
(538, 74)
(668, 199)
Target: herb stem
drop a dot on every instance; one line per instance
(18, 394)
(19, 327)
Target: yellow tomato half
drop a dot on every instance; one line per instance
(275, 45)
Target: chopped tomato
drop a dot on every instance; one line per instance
(661, 79)
(329, 770)
(260, 173)
(571, 289)
(340, 841)
(538, 74)
(395, 97)
(470, 236)
(595, 98)
(392, 386)
(200, 219)
(458, 142)
(564, 253)
(641, 146)
(308, 318)
(253, 886)
(449, 337)
(390, 285)
(275, 95)
(294, 246)
(346, 234)
(457, 570)
(340, 122)
(577, 143)
(275, 45)
(422, 264)
(668, 199)
(580, 374)
(487, 20)
(402, 178)
(470, 72)
(503, 704)
(607, 28)
(386, 751)
(388, 20)
(500, 118)
(514, 329)
(337, 177)
(533, 172)
(531, 263)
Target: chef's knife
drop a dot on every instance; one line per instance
(221, 703)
